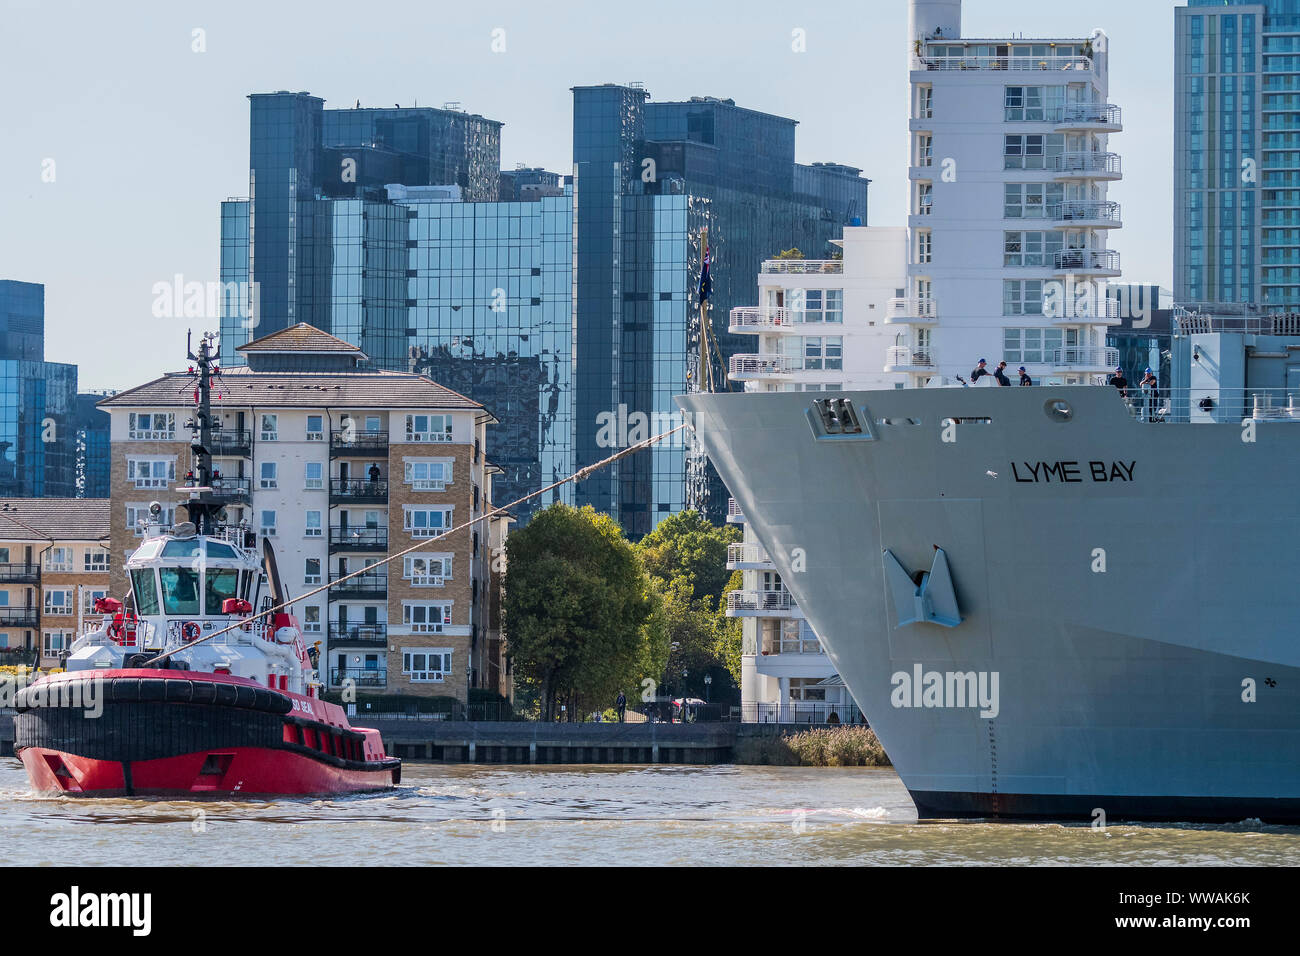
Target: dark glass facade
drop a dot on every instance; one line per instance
(647, 178)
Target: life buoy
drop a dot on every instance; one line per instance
(190, 631)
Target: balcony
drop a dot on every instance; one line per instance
(801, 267)
(761, 604)
(1084, 303)
(347, 442)
(369, 585)
(911, 312)
(20, 574)
(1008, 60)
(750, 319)
(1084, 214)
(233, 443)
(748, 367)
(1102, 167)
(1084, 359)
(20, 617)
(1087, 262)
(361, 491)
(360, 676)
(231, 490)
(1088, 118)
(775, 646)
(906, 358)
(357, 538)
(359, 635)
(748, 557)
(734, 514)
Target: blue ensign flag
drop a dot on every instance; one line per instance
(706, 283)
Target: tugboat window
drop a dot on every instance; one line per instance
(180, 590)
(182, 549)
(220, 583)
(146, 594)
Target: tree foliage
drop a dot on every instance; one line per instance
(686, 548)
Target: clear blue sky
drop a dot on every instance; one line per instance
(148, 137)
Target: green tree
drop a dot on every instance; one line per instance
(686, 547)
(577, 610)
(728, 632)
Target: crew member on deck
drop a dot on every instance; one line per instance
(1119, 381)
(1001, 375)
(1024, 377)
(979, 372)
(1150, 395)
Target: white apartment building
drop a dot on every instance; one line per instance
(1009, 221)
(821, 324)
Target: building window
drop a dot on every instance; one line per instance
(924, 246)
(53, 643)
(269, 472)
(137, 516)
(426, 618)
(924, 198)
(924, 149)
(96, 560)
(311, 619)
(89, 597)
(925, 102)
(1030, 346)
(313, 529)
(426, 474)
(151, 472)
(426, 522)
(1022, 297)
(427, 571)
(426, 664)
(311, 571)
(1030, 200)
(270, 430)
(58, 601)
(428, 428)
(1033, 104)
(315, 473)
(58, 560)
(315, 428)
(1031, 152)
(268, 524)
(151, 426)
(1031, 248)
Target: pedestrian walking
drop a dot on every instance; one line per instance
(620, 704)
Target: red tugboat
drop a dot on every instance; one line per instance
(182, 690)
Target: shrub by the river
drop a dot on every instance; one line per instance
(820, 747)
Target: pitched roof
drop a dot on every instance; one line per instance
(63, 519)
(299, 338)
(351, 388)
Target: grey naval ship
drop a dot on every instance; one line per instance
(1045, 603)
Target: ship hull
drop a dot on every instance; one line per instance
(181, 734)
(1133, 611)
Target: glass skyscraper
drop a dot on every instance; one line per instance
(393, 240)
(1237, 153)
(647, 178)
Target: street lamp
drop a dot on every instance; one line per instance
(708, 680)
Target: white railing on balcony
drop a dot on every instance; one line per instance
(761, 366)
(733, 510)
(904, 309)
(751, 317)
(1088, 114)
(1086, 302)
(1087, 164)
(741, 553)
(1087, 260)
(1085, 357)
(792, 645)
(1084, 211)
(1006, 63)
(760, 601)
(906, 355)
(803, 266)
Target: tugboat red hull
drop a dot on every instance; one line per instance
(167, 733)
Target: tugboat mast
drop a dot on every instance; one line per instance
(203, 510)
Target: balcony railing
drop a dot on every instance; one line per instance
(759, 601)
(1006, 63)
(361, 676)
(742, 555)
(358, 538)
(359, 490)
(762, 366)
(20, 573)
(370, 584)
(1085, 357)
(911, 310)
(362, 634)
(58, 567)
(351, 442)
(233, 442)
(1085, 212)
(231, 489)
(1087, 166)
(793, 645)
(20, 616)
(1088, 115)
(750, 318)
(1087, 260)
(734, 514)
(803, 266)
(906, 356)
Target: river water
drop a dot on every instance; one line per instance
(596, 815)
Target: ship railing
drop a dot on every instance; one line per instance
(1223, 405)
